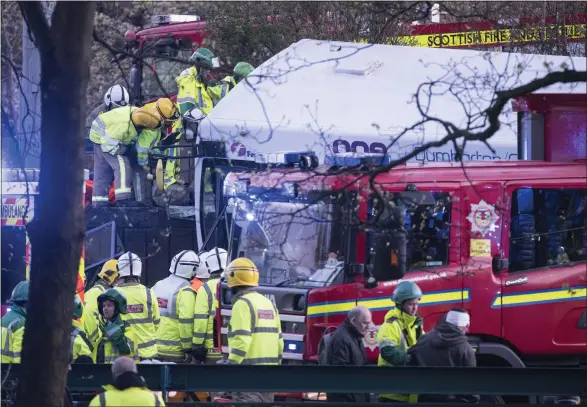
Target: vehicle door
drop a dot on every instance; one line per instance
(426, 222)
(544, 287)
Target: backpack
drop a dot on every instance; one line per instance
(325, 348)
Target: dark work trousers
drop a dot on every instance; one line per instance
(107, 166)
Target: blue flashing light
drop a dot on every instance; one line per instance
(357, 159)
(293, 347)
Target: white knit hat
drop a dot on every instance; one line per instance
(458, 318)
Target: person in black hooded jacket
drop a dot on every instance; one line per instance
(446, 345)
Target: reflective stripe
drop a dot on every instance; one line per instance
(99, 122)
(186, 340)
(210, 311)
(141, 149)
(122, 190)
(224, 89)
(200, 99)
(265, 330)
(130, 322)
(96, 198)
(74, 335)
(239, 332)
(186, 99)
(258, 361)
(102, 398)
(199, 335)
(186, 320)
(6, 349)
(98, 130)
(147, 344)
(157, 402)
(123, 185)
(167, 342)
(238, 352)
(12, 354)
(201, 316)
(172, 313)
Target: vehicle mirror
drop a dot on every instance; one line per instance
(499, 264)
(370, 283)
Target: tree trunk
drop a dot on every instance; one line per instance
(57, 231)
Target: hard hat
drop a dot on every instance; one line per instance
(185, 264)
(242, 272)
(406, 290)
(167, 110)
(242, 70)
(147, 117)
(202, 271)
(204, 58)
(129, 265)
(216, 260)
(78, 308)
(20, 293)
(114, 295)
(116, 96)
(109, 273)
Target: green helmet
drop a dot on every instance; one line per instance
(204, 58)
(78, 308)
(406, 290)
(114, 295)
(242, 70)
(20, 294)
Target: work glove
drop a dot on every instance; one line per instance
(199, 353)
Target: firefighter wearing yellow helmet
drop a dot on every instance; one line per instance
(142, 310)
(116, 135)
(107, 278)
(254, 331)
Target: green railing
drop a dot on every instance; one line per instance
(502, 381)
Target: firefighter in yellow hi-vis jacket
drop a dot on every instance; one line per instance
(142, 310)
(254, 331)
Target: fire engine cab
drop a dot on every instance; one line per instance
(505, 240)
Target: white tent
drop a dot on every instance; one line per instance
(325, 96)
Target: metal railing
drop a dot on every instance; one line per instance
(489, 381)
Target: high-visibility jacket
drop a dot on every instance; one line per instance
(177, 302)
(142, 317)
(80, 345)
(196, 283)
(173, 170)
(192, 93)
(221, 89)
(254, 332)
(130, 397)
(399, 332)
(206, 305)
(91, 315)
(113, 128)
(12, 334)
(104, 351)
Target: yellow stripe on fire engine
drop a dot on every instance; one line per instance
(539, 297)
(385, 303)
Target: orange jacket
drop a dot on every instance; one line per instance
(196, 284)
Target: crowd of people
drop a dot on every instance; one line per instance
(125, 136)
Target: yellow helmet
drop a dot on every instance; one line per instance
(147, 117)
(167, 110)
(242, 272)
(109, 271)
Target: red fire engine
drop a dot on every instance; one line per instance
(507, 241)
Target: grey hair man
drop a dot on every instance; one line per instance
(347, 348)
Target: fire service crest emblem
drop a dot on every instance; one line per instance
(483, 218)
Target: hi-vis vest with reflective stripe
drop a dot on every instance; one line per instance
(172, 167)
(192, 93)
(12, 336)
(91, 314)
(142, 317)
(106, 350)
(131, 397)
(206, 305)
(254, 332)
(177, 301)
(113, 128)
(79, 346)
(221, 89)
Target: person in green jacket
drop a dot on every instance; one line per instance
(81, 347)
(13, 323)
(400, 331)
(225, 85)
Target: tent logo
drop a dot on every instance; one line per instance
(239, 149)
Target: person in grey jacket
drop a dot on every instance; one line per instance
(445, 345)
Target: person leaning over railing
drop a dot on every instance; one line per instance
(128, 389)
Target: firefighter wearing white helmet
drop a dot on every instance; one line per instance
(205, 329)
(177, 301)
(254, 331)
(115, 96)
(142, 310)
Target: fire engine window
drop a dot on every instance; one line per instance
(13, 259)
(411, 232)
(548, 228)
(289, 242)
(166, 70)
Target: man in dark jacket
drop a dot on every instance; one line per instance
(445, 345)
(348, 350)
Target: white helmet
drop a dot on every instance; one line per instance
(216, 260)
(185, 264)
(116, 96)
(203, 271)
(130, 265)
